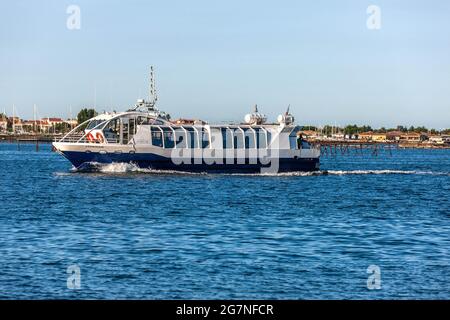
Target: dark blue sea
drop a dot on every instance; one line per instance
(150, 235)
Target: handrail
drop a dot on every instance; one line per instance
(74, 129)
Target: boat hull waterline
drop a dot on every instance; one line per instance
(158, 162)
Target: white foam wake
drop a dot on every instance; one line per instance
(349, 172)
(121, 168)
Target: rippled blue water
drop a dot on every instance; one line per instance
(145, 235)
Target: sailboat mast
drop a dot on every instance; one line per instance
(34, 117)
(14, 119)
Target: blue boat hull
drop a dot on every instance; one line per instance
(152, 161)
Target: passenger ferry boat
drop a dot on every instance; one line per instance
(146, 137)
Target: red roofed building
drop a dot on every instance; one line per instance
(36, 126)
(53, 121)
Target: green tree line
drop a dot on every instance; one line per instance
(85, 114)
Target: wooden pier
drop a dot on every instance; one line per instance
(334, 148)
(28, 138)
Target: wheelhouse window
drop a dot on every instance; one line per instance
(112, 131)
(293, 139)
(142, 120)
(131, 127)
(91, 125)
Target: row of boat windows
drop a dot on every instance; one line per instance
(200, 138)
(120, 131)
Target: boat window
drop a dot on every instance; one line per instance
(238, 139)
(249, 139)
(93, 124)
(293, 140)
(180, 138)
(112, 131)
(269, 138)
(142, 120)
(132, 127)
(156, 137)
(125, 131)
(192, 137)
(205, 139)
(169, 139)
(227, 138)
(260, 138)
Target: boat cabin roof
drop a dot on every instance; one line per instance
(107, 116)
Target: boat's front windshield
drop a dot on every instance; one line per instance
(92, 124)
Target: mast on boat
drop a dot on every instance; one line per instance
(153, 97)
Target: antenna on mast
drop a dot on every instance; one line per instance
(149, 105)
(153, 96)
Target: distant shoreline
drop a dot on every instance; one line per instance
(405, 145)
(395, 144)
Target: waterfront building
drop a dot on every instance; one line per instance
(41, 126)
(413, 137)
(436, 139)
(72, 123)
(365, 136)
(372, 136)
(54, 121)
(394, 135)
(310, 134)
(338, 136)
(379, 137)
(16, 124)
(3, 123)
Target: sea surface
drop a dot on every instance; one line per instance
(159, 235)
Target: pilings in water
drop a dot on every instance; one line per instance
(334, 148)
(20, 140)
(36, 143)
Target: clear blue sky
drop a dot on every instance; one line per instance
(215, 60)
